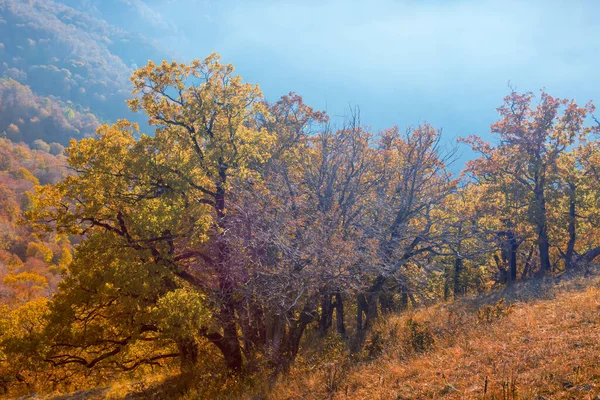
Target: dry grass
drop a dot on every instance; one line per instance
(547, 347)
(543, 342)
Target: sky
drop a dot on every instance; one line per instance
(402, 62)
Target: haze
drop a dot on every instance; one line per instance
(401, 62)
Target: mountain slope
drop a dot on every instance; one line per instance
(544, 345)
(68, 54)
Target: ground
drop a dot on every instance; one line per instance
(536, 340)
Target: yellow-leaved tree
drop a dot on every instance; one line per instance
(154, 266)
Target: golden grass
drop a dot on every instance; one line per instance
(545, 346)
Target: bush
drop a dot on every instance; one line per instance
(420, 337)
(25, 174)
(374, 347)
(39, 250)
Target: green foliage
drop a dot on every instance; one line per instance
(182, 313)
(69, 113)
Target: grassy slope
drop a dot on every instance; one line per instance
(546, 346)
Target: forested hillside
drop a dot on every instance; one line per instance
(26, 117)
(30, 264)
(62, 70)
(235, 245)
(79, 62)
(242, 228)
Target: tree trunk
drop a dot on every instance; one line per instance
(274, 336)
(458, 267)
(326, 318)
(230, 346)
(544, 248)
(386, 303)
(233, 351)
(188, 354)
(404, 297)
(528, 263)
(361, 326)
(339, 314)
(500, 266)
(588, 256)
(361, 308)
(252, 326)
(512, 257)
(307, 315)
(371, 311)
(542, 226)
(571, 229)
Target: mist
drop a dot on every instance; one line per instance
(402, 62)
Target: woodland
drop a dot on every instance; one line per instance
(228, 235)
(240, 226)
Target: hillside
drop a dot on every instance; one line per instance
(26, 117)
(231, 246)
(536, 340)
(72, 58)
(30, 265)
(544, 343)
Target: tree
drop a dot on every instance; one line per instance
(56, 148)
(155, 212)
(413, 180)
(532, 139)
(39, 144)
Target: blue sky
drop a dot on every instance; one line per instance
(401, 61)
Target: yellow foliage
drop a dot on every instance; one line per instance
(24, 173)
(39, 250)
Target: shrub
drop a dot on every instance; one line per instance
(39, 250)
(420, 337)
(25, 174)
(374, 347)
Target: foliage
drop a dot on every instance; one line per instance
(522, 178)
(239, 235)
(26, 117)
(420, 336)
(27, 259)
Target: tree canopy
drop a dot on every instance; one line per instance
(241, 227)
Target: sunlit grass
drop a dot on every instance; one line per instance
(546, 345)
